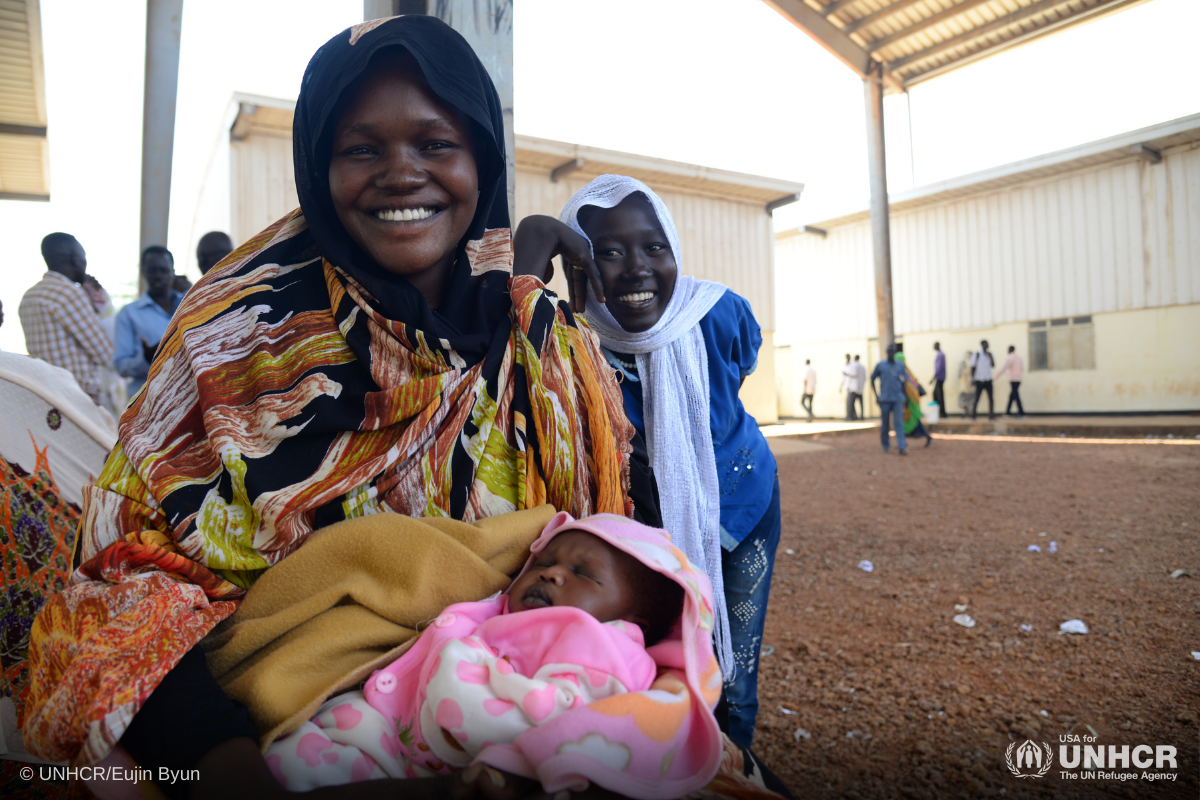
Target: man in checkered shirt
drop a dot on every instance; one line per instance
(61, 324)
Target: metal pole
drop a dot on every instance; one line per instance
(163, 24)
(880, 232)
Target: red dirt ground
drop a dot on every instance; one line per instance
(931, 707)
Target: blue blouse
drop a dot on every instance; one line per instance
(745, 466)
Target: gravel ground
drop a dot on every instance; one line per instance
(892, 698)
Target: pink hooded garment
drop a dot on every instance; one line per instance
(549, 693)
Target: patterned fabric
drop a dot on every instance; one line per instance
(282, 400)
(53, 441)
(912, 397)
(62, 328)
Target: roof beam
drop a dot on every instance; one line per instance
(1147, 153)
(38, 131)
(929, 22)
(875, 16)
(829, 36)
(1017, 16)
(835, 7)
(563, 170)
(976, 33)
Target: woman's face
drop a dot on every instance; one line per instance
(636, 264)
(402, 176)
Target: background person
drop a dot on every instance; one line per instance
(890, 394)
(849, 380)
(810, 388)
(142, 323)
(1015, 367)
(859, 386)
(982, 363)
(212, 247)
(60, 323)
(939, 378)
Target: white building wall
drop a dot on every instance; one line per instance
(1116, 238)
(263, 181)
(1120, 242)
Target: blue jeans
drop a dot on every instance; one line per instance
(747, 574)
(893, 410)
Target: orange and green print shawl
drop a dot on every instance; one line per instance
(281, 400)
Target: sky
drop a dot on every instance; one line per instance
(721, 83)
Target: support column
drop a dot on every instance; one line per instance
(880, 229)
(164, 19)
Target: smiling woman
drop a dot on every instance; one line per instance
(369, 353)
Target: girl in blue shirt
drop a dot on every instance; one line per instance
(684, 346)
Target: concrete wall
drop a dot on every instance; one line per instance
(1146, 360)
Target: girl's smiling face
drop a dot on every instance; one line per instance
(402, 175)
(636, 264)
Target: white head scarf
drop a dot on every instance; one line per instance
(673, 366)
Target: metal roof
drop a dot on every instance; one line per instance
(918, 39)
(560, 158)
(261, 114)
(1146, 144)
(24, 152)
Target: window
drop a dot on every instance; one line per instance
(1062, 344)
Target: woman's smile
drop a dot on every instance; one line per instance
(405, 214)
(637, 300)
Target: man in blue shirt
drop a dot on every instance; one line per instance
(142, 323)
(939, 377)
(890, 396)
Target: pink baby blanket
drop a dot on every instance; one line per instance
(554, 694)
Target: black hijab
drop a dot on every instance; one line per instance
(473, 310)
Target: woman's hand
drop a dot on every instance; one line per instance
(539, 239)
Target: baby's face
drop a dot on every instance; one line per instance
(579, 570)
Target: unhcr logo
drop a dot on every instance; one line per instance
(1032, 760)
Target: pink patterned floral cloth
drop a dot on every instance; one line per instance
(549, 693)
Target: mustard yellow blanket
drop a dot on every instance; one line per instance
(351, 600)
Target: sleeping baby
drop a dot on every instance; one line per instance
(595, 666)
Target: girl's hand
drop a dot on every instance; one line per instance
(539, 239)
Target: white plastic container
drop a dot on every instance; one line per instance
(932, 413)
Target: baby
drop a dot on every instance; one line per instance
(595, 665)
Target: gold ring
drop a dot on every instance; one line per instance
(577, 267)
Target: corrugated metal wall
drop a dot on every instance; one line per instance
(263, 181)
(1116, 238)
(722, 240)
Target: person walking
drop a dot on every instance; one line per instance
(142, 323)
(939, 378)
(982, 363)
(860, 386)
(890, 394)
(966, 385)
(1015, 367)
(61, 325)
(810, 388)
(849, 380)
